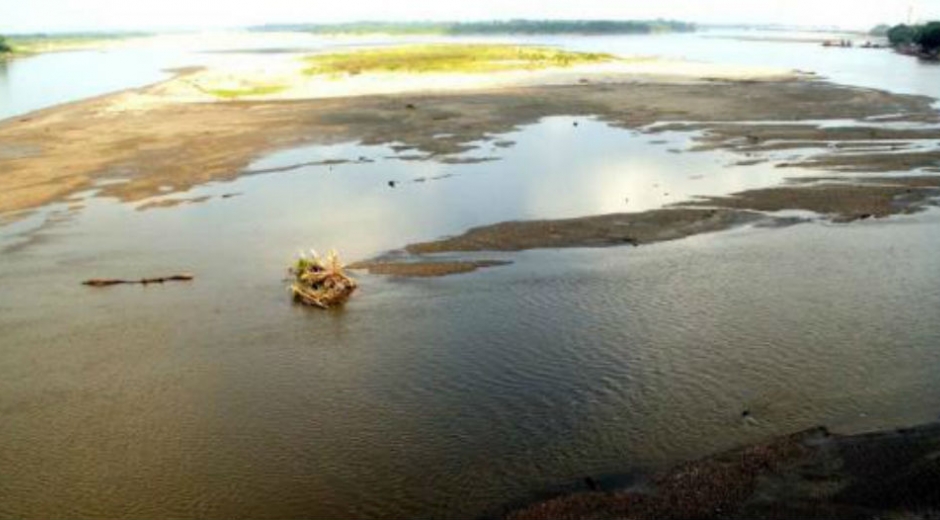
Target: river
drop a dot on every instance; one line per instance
(446, 397)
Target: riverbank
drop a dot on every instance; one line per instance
(810, 474)
(31, 45)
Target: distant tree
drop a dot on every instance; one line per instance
(902, 35)
(492, 27)
(4, 46)
(880, 30)
(928, 37)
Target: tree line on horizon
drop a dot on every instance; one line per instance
(4, 46)
(595, 27)
(920, 39)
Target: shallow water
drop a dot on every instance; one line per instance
(871, 68)
(28, 84)
(446, 397)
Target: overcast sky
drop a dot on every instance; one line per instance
(73, 15)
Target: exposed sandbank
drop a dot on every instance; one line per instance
(593, 231)
(424, 269)
(63, 150)
(283, 78)
(839, 200)
(158, 143)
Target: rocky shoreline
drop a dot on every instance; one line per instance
(810, 474)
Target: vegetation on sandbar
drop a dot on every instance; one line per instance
(922, 40)
(248, 91)
(4, 46)
(449, 58)
(490, 27)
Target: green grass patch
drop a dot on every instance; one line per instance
(235, 93)
(463, 58)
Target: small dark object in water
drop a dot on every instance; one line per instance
(592, 484)
(391, 184)
(410, 106)
(746, 414)
(575, 123)
(229, 195)
(105, 282)
(865, 216)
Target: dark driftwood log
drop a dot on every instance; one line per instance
(105, 282)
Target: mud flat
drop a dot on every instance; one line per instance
(155, 144)
(595, 231)
(811, 474)
(425, 269)
(837, 200)
(150, 141)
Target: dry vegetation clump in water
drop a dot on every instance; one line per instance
(321, 281)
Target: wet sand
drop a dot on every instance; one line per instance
(838, 200)
(158, 148)
(810, 474)
(428, 269)
(596, 231)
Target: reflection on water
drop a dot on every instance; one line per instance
(447, 397)
(554, 169)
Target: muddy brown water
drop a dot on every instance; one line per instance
(446, 397)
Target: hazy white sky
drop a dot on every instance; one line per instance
(70, 15)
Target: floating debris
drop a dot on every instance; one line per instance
(321, 282)
(106, 282)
